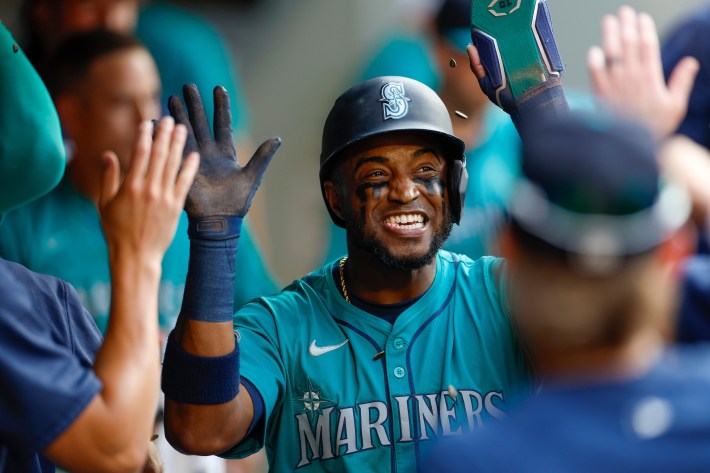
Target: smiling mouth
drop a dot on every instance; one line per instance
(406, 221)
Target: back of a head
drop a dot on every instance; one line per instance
(586, 217)
(71, 61)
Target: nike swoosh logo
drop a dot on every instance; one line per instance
(314, 350)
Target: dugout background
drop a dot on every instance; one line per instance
(296, 56)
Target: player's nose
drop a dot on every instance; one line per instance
(403, 189)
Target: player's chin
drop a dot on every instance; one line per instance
(407, 257)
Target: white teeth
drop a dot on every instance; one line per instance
(410, 220)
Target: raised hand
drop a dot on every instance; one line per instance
(140, 214)
(222, 187)
(515, 57)
(627, 73)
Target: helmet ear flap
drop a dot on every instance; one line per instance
(457, 181)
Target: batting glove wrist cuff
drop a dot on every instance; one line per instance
(220, 227)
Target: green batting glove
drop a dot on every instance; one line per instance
(517, 48)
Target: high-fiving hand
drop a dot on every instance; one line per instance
(627, 73)
(222, 187)
(140, 214)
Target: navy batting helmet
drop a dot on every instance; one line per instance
(393, 104)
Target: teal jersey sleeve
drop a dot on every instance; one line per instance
(187, 49)
(344, 390)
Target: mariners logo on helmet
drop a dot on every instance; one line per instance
(395, 103)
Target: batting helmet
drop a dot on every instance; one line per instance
(392, 104)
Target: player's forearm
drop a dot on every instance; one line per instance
(546, 101)
(208, 429)
(206, 411)
(117, 425)
(128, 362)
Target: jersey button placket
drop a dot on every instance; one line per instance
(396, 348)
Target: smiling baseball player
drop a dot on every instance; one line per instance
(362, 364)
(359, 365)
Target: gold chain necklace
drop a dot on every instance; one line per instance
(342, 279)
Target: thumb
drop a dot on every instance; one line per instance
(682, 79)
(109, 180)
(261, 158)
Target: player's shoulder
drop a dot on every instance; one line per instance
(485, 266)
(32, 298)
(30, 281)
(297, 298)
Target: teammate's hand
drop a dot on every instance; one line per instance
(222, 187)
(627, 73)
(140, 215)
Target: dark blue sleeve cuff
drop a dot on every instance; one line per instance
(259, 410)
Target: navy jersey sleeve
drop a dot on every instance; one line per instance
(47, 346)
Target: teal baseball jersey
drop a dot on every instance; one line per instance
(60, 234)
(346, 391)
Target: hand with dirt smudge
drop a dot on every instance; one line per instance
(222, 187)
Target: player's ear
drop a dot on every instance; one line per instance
(333, 197)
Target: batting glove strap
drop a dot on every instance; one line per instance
(219, 227)
(193, 379)
(209, 287)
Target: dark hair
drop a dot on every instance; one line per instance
(453, 14)
(75, 55)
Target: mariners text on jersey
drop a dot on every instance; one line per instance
(337, 431)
